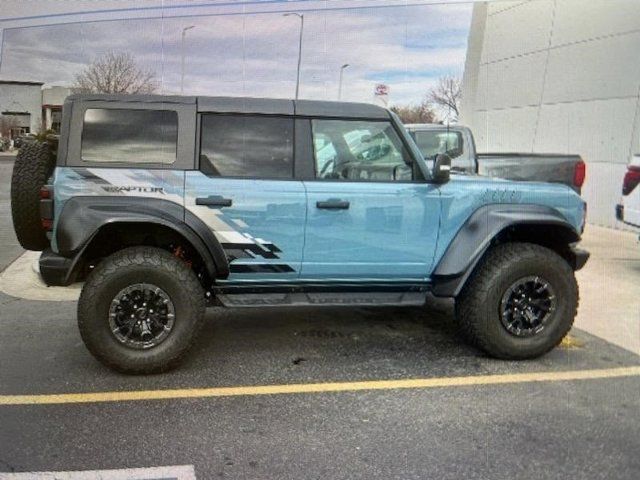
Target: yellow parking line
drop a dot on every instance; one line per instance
(418, 383)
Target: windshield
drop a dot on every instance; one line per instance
(435, 142)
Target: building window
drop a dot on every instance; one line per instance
(129, 136)
(56, 120)
(247, 146)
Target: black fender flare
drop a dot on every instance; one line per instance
(84, 216)
(476, 234)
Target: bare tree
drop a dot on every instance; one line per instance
(446, 95)
(115, 73)
(421, 113)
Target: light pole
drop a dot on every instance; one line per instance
(340, 84)
(184, 33)
(301, 17)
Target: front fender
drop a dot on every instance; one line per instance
(476, 234)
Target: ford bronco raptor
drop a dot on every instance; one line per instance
(164, 205)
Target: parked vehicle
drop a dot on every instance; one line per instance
(162, 204)
(458, 142)
(22, 140)
(628, 211)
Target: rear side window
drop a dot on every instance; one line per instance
(247, 146)
(129, 136)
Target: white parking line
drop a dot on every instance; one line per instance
(182, 472)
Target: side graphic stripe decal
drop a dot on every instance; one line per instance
(260, 268)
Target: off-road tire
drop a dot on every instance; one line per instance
(140, 265)
(478, 305)
(34, 164)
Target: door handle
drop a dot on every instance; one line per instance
(214, 201)
(333, 204)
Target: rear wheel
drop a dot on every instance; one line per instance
(520, 302)
(140, 310)
(33, 166)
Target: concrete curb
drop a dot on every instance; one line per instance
(22, 279)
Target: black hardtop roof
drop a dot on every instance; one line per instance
(268, 106)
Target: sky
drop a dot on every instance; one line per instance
(255, 54)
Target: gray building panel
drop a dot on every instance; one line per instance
(558, 76)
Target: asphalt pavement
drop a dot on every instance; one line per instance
(574, 413)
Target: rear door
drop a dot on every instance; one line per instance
(245, 192)
(370, 215)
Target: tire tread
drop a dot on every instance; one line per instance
(33, 166)
(136, 257)
(476, 291)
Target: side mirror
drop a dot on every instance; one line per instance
(442, 168)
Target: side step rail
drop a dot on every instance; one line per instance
(314, 295)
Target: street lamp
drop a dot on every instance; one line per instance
(340, 84)
(184, 33)
(301, 17)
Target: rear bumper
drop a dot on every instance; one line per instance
(633, 216)
(55, 269)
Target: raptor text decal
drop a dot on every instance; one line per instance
(132, 189)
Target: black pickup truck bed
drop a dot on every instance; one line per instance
(458, 142)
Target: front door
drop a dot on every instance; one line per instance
(369, 216)
(245, 192)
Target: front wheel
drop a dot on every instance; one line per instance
(519, 303)
(140, 310)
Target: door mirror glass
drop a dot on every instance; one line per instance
(442, 168)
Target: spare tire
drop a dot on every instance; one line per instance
(33, 166)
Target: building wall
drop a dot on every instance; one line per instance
(23, 98)
(558, 76)
(52, 102)
(55, 95)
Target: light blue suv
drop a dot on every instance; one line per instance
(164, 205)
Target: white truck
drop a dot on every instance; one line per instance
(628, 211)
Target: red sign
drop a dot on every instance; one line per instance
(381, 89)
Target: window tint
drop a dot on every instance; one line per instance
(435, 142)
(359, 150)
(247, 146)
(131, 136)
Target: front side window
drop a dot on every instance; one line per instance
(434, 142)
(129, 136)
(359, 150)
(247, 146)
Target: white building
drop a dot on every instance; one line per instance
(558, 76)
(27, 107)
(52, 101)
(21, 106)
